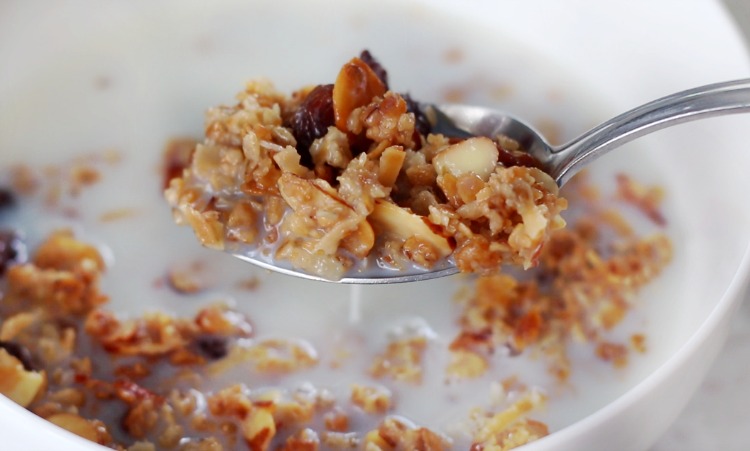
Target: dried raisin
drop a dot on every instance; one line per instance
(177, 156)
(312, 119)
(12, 249)
(20, 352)
(422, 125)
(212, 347)
(376, 67)
(7, 199)
(509, 158)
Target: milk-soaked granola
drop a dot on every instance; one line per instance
(335, 176)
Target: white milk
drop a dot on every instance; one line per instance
(146, 79)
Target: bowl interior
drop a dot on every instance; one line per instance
(140, 75)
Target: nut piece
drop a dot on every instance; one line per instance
(16, 383)
(389, 218)
(474, 155)
(390, 165)
(371, 399)
(76, 424)
(355, 86)
(258, 429)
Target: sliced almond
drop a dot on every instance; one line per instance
(361, 241)
(242, 223)
(355, 86)
(16, 383)
(391, 162)
(388, 217)
(472, 156)
(75, 424)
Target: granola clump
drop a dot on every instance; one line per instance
(67, 358)
(338, 174)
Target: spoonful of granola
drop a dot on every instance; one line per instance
(353, 183)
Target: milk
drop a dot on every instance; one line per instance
(139, 83)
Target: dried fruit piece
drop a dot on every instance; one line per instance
(355, 86)
(20, 352)
(375, 65)
(312, 119)
(177, 156)
(12, 249)
(7, 199)
(423, 124)
(212, 346)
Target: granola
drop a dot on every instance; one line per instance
(223, 377)
(67, 358)
(337, 175)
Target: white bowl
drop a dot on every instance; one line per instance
(82, 75)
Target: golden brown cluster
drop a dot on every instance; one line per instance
(582, 288)
(340, 173)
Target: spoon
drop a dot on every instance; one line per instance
(560, 162)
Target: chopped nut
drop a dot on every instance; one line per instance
(304, 440)
(92, 430)
(187, 279)
(402, 360)
(336, 421)
(371, 399)
(258, 429)
(466, 364)
(270, 356)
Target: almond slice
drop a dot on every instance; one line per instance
(355, 86)
(474, 155)
(388, 217)
(16, 383)
(391, 162)
(361, 241)
(75, 424)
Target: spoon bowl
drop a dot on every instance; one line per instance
(560, 162)
(564, 161)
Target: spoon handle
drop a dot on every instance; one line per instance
(706, 101)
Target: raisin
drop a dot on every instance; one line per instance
(508, 159)
(20, 352)
(7, 199)
(376, 67)
(177, 156)
(12, 249)
(212, 346)
(312, 119)
(423, 125)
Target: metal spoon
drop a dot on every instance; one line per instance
(560, 162)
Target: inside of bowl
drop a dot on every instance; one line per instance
(138, 83)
